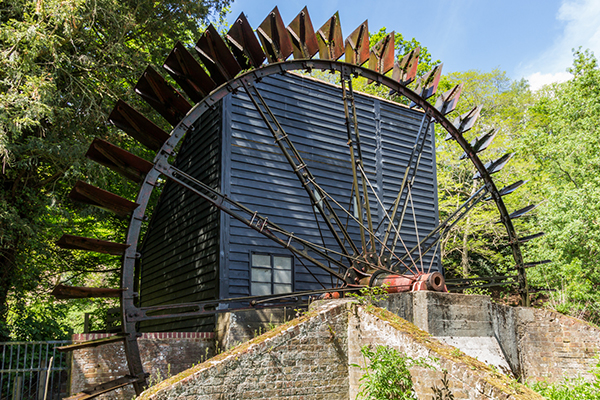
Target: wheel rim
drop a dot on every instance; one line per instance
(245, 82)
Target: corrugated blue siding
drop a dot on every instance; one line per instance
(312, 114)
(180, 251)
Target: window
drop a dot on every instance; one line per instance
(270, 274)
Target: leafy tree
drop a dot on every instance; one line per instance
(474, 247)
(562, 140)
(63, 65)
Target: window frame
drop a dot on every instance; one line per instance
(272, 269)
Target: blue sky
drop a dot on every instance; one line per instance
(529, 39)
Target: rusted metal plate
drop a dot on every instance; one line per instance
(244, 44)
(381, 56)
(77, 292)
(357, 45)
(92, 343)
(428, 83)
(129, 120)
(104, 388)
(188, 73)
(216, 56)
(481, 143)
(88, 194)
(494, 166)
(99, 246)
(330, 39)
(275, 38)
(522, 211)
(535, 264)
(302, 33)
(405, 71)
(447, 102)
(466, 121)
(121, 161)
(512, 187)
(162, 97)
(525, 239)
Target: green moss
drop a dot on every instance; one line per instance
(489, 375)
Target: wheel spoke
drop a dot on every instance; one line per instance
(349, 214)
(300, 168)
(455, 217)
(257, 222)
(352, 122)
(405, 179)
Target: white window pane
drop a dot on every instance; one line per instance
(261, 275)
(259, 289)
(280, 289)
(260, 260)
(282, 276)
(282, 262)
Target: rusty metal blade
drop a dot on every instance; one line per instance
(330, 39)
(522, 211)
(466, 121)
(381, 55)
(105, 387)
(447, 102)
(99, 246)
(244, 44)
(302, 34)
(405, 71)
(531, 237)
(188, 73)
(75, 292)
(536, 263)
(123, 162)
(92, 343)
(216, 56)
(162, 97)
(357, 45)
(481, 143)
(494, 166)
(275, 38)
(428, 83)
(88, 194)
(129, 120)
(509, 189)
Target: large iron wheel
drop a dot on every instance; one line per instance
(234, 65)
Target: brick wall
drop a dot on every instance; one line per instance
(163, 354)
(304, 358)
(553, 346)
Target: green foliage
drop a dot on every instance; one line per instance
(571, 389)
(386, 375)
(370, 295)
(561, 141)
(62, 66)
(443, 392)
(473, 246)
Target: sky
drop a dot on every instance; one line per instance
(531, 39)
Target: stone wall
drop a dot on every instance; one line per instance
(553, 346)
(304, 358)
(310, 358)
(163, 354)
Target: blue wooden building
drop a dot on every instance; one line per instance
(193, 252)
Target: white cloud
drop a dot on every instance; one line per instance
(581, 20)
(537, 80)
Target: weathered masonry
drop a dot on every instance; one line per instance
(193, 252)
